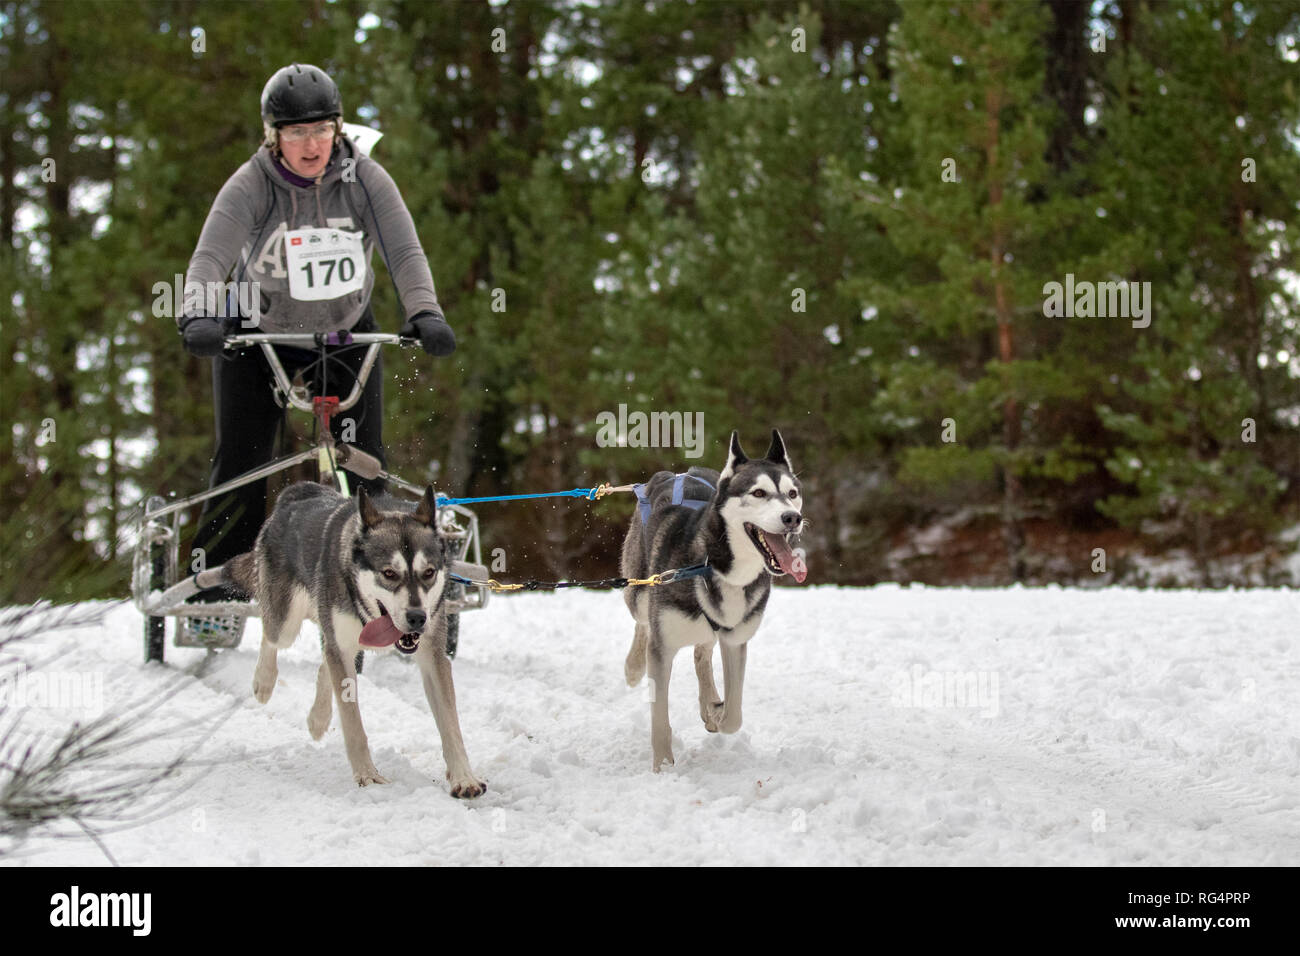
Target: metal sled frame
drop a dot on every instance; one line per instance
(158, 542)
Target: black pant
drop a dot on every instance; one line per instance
(248, 421)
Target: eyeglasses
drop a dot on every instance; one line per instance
(296, 134)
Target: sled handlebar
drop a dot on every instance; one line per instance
(312, 339)
(299, 397)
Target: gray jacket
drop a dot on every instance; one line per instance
(243, 242)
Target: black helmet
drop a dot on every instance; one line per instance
(299, 94)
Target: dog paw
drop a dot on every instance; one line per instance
(368, 776)
(729, 722)
(711, 714)
(466, 786)
(316, 726)
(262, 686)
(665, 758)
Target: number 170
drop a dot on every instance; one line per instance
(346, 269)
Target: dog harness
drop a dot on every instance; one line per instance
(643, 500)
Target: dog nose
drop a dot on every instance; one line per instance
(415, 618)
(791, 520)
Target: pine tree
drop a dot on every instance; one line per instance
(749, 300)
(1206, 411)
(975, 211)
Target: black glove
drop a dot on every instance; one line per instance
(203, 336)
(436, 336)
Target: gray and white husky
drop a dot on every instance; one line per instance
(738, 521)
(371, 577)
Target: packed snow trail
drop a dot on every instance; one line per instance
(883, 726)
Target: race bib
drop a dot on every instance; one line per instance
(324, 263)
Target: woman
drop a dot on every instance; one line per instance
(306, 176)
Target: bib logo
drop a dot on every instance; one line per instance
(270, 260)
(102, 909)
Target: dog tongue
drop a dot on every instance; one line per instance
(380, 632)
(791, 563)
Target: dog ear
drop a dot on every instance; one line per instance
(777, 453)
(370, 515)
(428, 508)
(735, 457)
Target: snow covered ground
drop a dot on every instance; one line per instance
(882, 726)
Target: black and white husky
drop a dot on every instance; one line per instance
(738, 521)
(370, 577)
